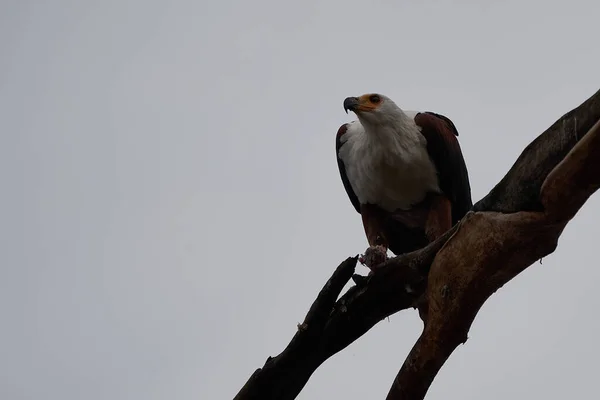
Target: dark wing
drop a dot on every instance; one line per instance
(444, 150)
(338, 144)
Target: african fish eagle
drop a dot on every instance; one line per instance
(403, 171)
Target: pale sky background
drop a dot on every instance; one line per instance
(171, 203)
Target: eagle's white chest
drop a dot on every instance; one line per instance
(393, 171)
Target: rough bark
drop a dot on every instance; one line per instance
(517, 223)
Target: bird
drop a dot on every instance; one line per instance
(403, 171)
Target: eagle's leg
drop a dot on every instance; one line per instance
(439, 217)
(373, 219)
(439, 220)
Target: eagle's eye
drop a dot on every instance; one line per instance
(374, 99)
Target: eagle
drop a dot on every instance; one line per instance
(403, 171)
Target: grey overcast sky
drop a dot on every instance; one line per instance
(171, 203)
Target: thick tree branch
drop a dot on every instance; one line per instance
(290, 362)
(517, 223)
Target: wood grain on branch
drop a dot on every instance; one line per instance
(517, 223)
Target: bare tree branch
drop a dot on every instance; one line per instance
(517, 223)
(489, 250)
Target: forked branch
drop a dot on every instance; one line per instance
(517, 223)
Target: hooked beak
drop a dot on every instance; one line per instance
(351, 103)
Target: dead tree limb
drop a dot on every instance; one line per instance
(517, 223)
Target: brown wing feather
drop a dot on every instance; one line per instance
(446, 154)
(342, 168)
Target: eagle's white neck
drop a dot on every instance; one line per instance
(397, 129)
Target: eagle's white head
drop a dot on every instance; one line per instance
(374, 110)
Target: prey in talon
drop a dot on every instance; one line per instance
(374, 256)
